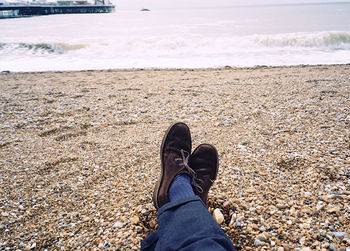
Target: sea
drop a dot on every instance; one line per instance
(236, 36)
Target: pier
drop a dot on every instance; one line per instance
(12, 11)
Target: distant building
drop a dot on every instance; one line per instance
(65, 2)
(39, 2)
(102, 2)
(17, 3)
(81, 2)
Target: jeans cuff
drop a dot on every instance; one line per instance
(177, 203)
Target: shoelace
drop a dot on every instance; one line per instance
(184, 162)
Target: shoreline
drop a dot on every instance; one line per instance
(79, 154)
(177, 69)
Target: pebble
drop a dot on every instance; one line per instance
(307, 194)
(286, 247)
(333, 209)
(319, 207)
(281, 206)
(227, 204)
(226, 123)
(250, 190)
(218, 216)
(327, 198)
(5, 214)
(263, 237)
(152, 224)
(305, 226)
(64, 156)
(118, 224)
(257, 243)
(233, 219)
(134, 220)
(337, 234)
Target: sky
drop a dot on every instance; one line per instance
(184, 4)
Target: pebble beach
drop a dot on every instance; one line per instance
(79, 154)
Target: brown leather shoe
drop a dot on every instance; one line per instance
(174, 154)
(205, 162)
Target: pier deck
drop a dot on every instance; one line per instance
(8, 11)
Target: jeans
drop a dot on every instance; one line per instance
(186, 224)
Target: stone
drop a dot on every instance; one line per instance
(233, 219)
(286, 247)
(319, 207)
(226, 123)
(5, 214)
(134, 220)
(327, 198)
(307, 194)
(305, 226)
(257, 243)
(281, 206)
(337, 234)
(306, 211)
(152, 224)
(333, 209)
(347, 238)
(218, 216)
(263, 237)
(227, 204)
(118, 224)
(250, 190)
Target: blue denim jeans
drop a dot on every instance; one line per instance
(186, 224)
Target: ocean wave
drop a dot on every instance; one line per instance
(195, 45)
(337, 40)
(40, 48)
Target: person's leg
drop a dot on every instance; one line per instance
(183, 219)
(186, 224)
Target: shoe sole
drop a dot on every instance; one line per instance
(159, 182)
